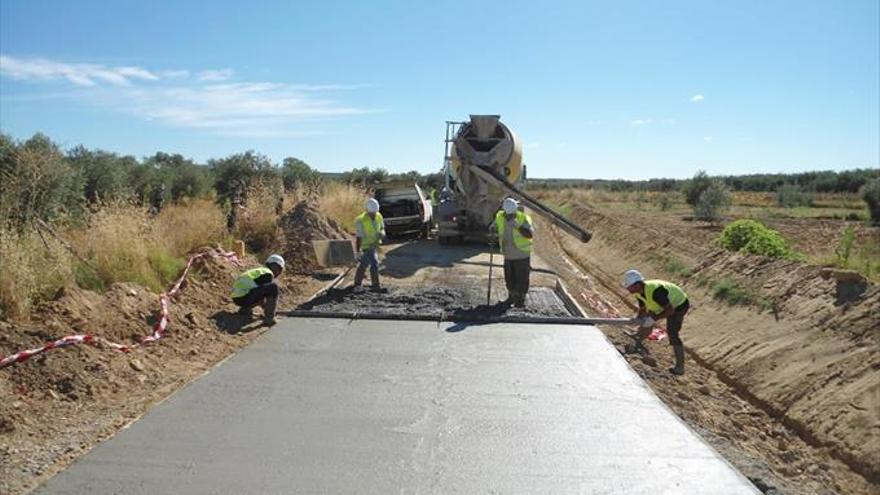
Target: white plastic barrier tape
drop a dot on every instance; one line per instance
(158, 329)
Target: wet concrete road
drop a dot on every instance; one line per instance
(337, 406)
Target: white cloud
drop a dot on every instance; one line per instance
(171, 74)
(79, 74)
(252, 109)
(255, 108)
(697, 98)
(640, 122)
(215, 75)
(708, 139)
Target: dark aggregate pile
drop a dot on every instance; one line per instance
(446, 302)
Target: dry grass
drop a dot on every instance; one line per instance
(32, 271)
(123, 243)
(342, 203)
(257, 222)
(120, 243)
(184, 227)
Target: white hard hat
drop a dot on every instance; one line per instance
(509, 206)
(276, 259)
(372, 205)
(631, 277)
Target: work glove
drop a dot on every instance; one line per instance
(646, 322)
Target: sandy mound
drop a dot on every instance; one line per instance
(301, 225)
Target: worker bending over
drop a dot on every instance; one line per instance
(515, 232)
(370, 230)
(257, 287)
(658, 299)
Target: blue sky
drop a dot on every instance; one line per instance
(594, 89)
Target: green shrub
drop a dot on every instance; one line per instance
(871, 196)
(770, 244)
(693, 188)
(738, 233)
(751, 236)
(36, 182)
(713, 203)
(844, 247)
(732, 293)
(664, 202)
(675, 266)
(791, 195)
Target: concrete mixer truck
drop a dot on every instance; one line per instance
(482, 165)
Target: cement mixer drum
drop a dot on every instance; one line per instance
(488, 143)
(483, 165)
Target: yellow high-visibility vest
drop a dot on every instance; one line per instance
(247, 281)
(676, 295)
(521, 242)
(371, 230)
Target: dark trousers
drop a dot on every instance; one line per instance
(369, 257)
(516, 277)
(674, 322)
(257, 295)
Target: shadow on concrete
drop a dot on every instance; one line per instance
(234, 323)
(410, 257)
(470, 317)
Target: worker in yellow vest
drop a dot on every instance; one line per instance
(515, 231)
(370, 230)
(658, 299)
(257, 287)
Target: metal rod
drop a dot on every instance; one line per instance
(453, 318)
(489, 290)
(565, 224)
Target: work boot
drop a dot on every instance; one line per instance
(269, 311)
(678, 369)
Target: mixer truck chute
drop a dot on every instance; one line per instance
(482, 166)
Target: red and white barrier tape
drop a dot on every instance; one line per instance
(158, 329)
(606, 310)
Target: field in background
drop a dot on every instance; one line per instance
(819, 232)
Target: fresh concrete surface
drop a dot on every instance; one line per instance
(338, 406)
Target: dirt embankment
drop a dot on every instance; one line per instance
(300, 226)
(57, 405)
(806, 353)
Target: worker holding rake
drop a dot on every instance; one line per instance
(370, 231)
(515, 232)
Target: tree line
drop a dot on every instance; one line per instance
(39, 180)
(825, 181)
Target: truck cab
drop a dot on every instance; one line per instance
(405, 209)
